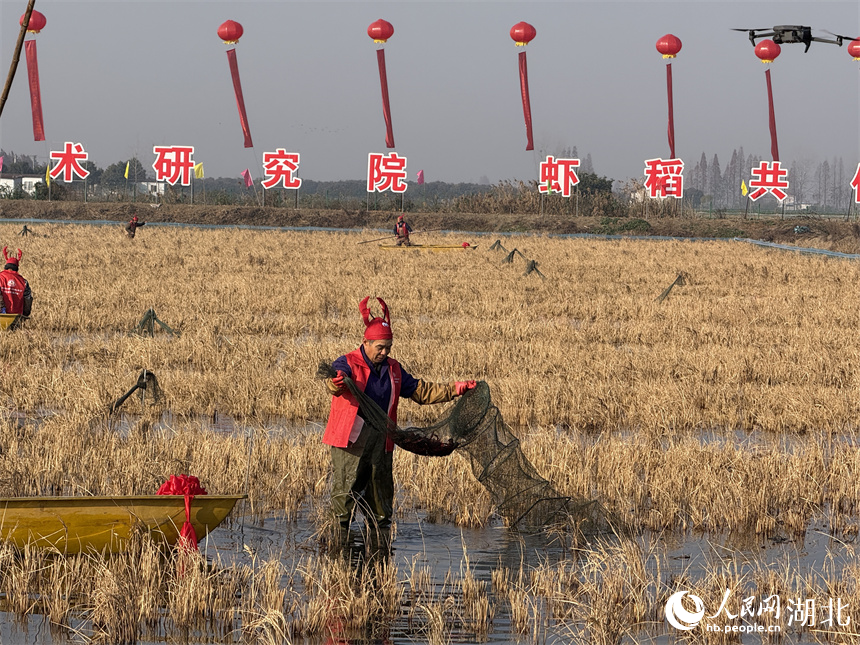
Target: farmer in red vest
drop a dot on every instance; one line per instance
(17, 297)
(402, 231)
(133, 225)
(361, 456)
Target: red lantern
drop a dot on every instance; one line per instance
(523, 33)
(767, 51)
(854, 49)
(37, 22)
(230, 32)
(380, 31)
(669, 46)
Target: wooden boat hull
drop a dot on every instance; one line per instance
(104, 524)
(8, 321)
(430, 247)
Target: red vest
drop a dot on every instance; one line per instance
(344, 408)
(401, 229)
(12, 286)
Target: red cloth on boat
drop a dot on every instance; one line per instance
(189, 486)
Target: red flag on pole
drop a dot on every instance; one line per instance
(35, 93)
(420, 175)
(240, 99)
(246, 175)
(774, 146)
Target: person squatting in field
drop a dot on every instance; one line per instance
(132, 226)
(402, 231)
(361, 456)
(17, 296)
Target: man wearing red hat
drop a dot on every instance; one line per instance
(402, 231)
(133, 225)
(17, 297)
(361, 456)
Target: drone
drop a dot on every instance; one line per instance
(783, 34)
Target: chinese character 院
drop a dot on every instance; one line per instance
(69, 162)
(768, 178)
(664, 178)
(278, 167)
(558, 175)
(386, 172)
(173, 163)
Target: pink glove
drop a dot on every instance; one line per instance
(337, 380)
(460, 387)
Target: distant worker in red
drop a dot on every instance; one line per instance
(133, 225)
(402, 231)
(361, 457)
(17, 296)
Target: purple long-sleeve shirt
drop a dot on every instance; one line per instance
(378, 382)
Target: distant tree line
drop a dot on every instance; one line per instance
(822, 187)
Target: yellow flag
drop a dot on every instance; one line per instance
(126, 169)
(48, 175)
(198, 170)
(744, 189)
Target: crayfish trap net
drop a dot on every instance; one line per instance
(475, 425)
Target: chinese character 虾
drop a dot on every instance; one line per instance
(768, 178)
(386, 172)
(278, 167)
(664, 178)
(558, 175)
(69, 162)
(173, 163)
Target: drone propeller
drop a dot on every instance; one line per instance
(839, 38)
(766, 31)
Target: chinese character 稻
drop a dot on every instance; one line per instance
(664, 178)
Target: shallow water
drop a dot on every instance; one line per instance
(446, 549)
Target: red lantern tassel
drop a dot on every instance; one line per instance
(386, 108)
(671, 111)
(187, 535)
(527, 108)
(35, 94)
(774, 147)
(240, 100)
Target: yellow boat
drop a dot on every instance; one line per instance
(104, 524)
(430, 247)
(8, 321)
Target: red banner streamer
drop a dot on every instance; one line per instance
(35, 94)
(774, 147)
(671, 111)
(240, 100)
(527, 108)
(386, 108)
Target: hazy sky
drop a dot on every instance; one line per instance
(122, 76)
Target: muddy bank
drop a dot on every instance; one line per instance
(832, 234)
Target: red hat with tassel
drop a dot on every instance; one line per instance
(377, 328)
